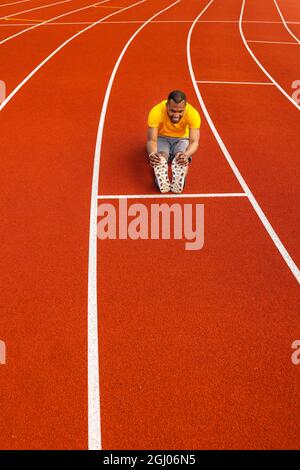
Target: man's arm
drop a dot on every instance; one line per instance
(194, 142)
(152, 140)
(192, 147)
(152, 145)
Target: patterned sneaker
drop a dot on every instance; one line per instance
(162, 177)
(178, 177)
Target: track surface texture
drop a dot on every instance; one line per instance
(142, 344)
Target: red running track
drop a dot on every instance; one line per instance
(194, 346)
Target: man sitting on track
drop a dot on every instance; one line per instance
(173, 136)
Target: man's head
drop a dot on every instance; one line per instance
(176, 105)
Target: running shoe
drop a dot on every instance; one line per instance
(178, 177)
(162, 177)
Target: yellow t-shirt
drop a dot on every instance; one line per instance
(158, 117)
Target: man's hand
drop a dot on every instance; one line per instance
(182, 159)
(154, 158)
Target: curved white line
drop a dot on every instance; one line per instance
(279, 245)
(285, 24)
(260, 65)
(32, 9)
(33, 72)
(13, 3)
(48, 21)
(93, 360)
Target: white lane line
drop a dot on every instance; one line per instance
(201, 21)
(49, 24)
(285, 23)
(94, 430)
(210, 21)
(162, 21)
(235, 83)
(274, 42)
(48, 21)
(32, 9)
(170, 196)
(279, 245)
(33, 72)
(13, 3)
(246, 21)
(294, 103)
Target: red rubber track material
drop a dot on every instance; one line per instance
(47, 139)
(32, 9)
(194, 347)
(37, 44)
(267, 156)
(282, 61)
(20, 22)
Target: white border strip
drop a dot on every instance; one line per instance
(259, 64)
(169, 196)
(48, 21)
(282, 250)
(285, 24)
(93, 381)
(32, 9)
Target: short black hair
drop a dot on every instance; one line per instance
(177, 96)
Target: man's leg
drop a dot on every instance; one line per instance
(164, 147)
(161, 170)
(179, 170)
